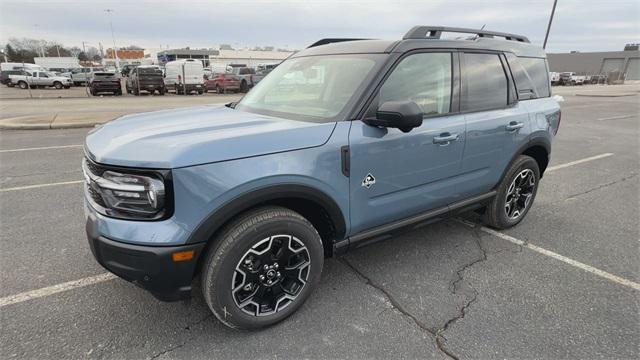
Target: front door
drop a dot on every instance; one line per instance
(395, 174)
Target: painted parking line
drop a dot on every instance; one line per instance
(50, 290)
(42, 148)
(562, 166)
(617, 117)
(28, 187)
(551, 254)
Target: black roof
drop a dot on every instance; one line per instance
(429, 37)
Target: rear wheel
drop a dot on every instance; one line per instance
(263, 267)
(22, 84)
(515, 194)
(243, 86)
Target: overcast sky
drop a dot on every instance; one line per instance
(585, 25)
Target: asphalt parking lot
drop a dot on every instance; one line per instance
(562, 284)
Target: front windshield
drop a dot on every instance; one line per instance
(315, 88)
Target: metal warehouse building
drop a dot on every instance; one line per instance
(626, 63)
(175, 54)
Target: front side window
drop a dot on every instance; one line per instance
(422, 78)
(314, 88)
(484, 82)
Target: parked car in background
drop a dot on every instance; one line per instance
(5, 76)
(554, 77)
(145, 78)
(126, 69)
(82, 75)
(102, 82)
(184, 76)
(258, 76)
(223, 83)
(35, 79)
(244, 73)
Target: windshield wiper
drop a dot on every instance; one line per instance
(231, 105)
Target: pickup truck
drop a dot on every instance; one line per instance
(245, 74)
(40, 79)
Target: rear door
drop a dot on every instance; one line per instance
(395, 174)
(496, 123)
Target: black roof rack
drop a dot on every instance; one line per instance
(331, 40)
(435, 32)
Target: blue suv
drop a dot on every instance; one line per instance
(344, 143)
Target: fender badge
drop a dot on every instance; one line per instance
(368, 181)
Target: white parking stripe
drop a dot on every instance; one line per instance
(617, 117)
(41, 185)
(41, 148)
(564, 259)
(34, 294)
(562, 166)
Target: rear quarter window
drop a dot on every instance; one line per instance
(531, 76)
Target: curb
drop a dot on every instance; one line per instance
(47, 126)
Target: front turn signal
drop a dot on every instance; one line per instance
(183, 255)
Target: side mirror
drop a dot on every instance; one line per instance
(404, 115)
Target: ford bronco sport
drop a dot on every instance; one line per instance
(342, 144)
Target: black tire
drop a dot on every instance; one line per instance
(22, 85)
(57, 85)
(243, 86)
(136, 92)
(67, 87)
(237, 243)
(76, 83)
(118, 93)
(219, 90)
(199, 92)
(162, 91)
(497, 212)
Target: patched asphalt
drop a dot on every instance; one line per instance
(443, 290)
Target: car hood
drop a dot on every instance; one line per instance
(191, 136)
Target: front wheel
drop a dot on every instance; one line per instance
(22, 85)
(515, 194)
(57, 85)
(262, 268)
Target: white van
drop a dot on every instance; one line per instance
(184, 75)
(5, 66)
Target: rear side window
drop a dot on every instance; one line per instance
(422, 78)
(531, 76)
(484, 82)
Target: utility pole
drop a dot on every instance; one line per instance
(546, 36)
(115, 50)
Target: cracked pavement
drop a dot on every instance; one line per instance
(440, 291)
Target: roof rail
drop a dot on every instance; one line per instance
(435, 32)
(331, 40)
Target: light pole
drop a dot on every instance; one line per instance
(115, 50)
(546, 36)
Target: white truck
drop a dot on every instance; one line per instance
(184, 76)
(35, 79)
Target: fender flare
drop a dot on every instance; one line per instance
(215, 220)
(534, 140)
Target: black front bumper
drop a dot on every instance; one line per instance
(150, 267)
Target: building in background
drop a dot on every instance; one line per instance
(625, 65)
(249, 58)
(164, 56)
(125, 56)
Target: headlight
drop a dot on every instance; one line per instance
(123, 194)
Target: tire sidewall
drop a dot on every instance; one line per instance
(521, 163)
(219, 277)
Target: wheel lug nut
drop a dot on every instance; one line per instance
(269, 282)
(266, 267)
(278, 274)
(275, 265)
(262, 277)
